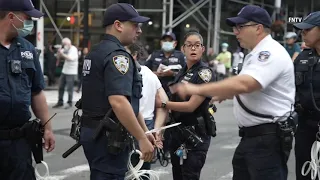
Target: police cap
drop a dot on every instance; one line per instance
(251, 13)
(312, 20)
(122, 12)
(25, 6)
(169, 34)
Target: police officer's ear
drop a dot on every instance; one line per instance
(203, 49)
(182, 49)
(10, 16)
(118, 25)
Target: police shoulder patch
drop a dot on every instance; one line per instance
(205, 75)
(264, 56)
(121, 62)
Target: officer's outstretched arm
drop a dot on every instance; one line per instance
(223, 89)
(186, 106)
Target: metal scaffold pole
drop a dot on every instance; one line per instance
(86, 23)
(216, 36)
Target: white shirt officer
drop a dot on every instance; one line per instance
(269, 64)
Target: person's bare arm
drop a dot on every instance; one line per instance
(72, 56)
(226, 88)
(142, 122)
(294, 56)
(162, 113)
(186, 106)
(124, 112)
(40, 109)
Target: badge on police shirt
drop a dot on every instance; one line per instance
(121, 63)
(264, 56)
(205, 75)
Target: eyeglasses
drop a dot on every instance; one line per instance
(238, 28)
(191, 46)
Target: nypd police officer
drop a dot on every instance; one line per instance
(21, 85)
(188, 156)
(166, 56)
(307, 73)
(111, 80)
(264, 92)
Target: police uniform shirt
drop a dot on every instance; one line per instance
(109, 70)
(305, 60)
(269, 64)
(17, 85)
(199, 73)
(158, 57)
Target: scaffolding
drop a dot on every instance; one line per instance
(211, 23)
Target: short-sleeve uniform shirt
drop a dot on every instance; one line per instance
(269, 64)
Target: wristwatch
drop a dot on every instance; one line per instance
(164, 104)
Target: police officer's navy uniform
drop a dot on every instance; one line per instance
(199, 73)
(20, 78)
(259, 154)
(307, 71)
(158, 57)
(15, 99)
(108, 70)
(153, 62)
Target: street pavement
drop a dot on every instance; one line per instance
(218, 164)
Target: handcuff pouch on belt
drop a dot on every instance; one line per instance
(286, 126)
(75, 125)
(188, 134)
(208, 121)
(34, 131)
(118, 137)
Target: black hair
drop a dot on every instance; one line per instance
(192, 32)
(138, 49)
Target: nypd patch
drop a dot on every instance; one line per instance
(264, 56)
(205, 75)
(121, 63)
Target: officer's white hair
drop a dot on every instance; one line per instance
(66, 41)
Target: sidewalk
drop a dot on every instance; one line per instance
(52, 96)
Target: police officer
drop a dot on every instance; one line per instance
(307, 91)
(22, 85)
(189, 164)
(264, 92)
(111, 80)
(166, 56)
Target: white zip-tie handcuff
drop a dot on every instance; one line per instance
(314, 163)
(46, 175)
(134, 173)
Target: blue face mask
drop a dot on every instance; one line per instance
(167, 46)
(27, 27)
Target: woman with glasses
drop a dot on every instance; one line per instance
(191, 140)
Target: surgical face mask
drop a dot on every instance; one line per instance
(224, 49)
(27, 27)
(167, 46)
